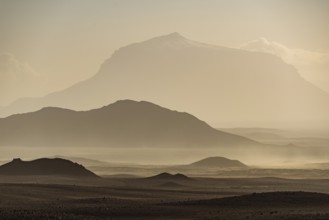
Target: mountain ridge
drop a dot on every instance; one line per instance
(123, 123)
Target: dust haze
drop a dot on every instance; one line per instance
(164, 109)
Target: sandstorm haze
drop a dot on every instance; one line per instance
(164, 109)
(258, 70)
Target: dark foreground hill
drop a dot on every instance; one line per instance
(45, 166)
(122, 124)
(218, 162)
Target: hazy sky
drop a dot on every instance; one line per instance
(59, 42)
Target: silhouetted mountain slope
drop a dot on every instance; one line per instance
(121, 124)
(218, 162)
(45, 166)
(221, 85)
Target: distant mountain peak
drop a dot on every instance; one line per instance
(175, 36)
(173, 40)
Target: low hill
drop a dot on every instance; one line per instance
(218, 162)
(169, 177)
(45, 166)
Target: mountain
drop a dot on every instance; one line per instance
(218, 162)
(225, 86)
(122, 124)
(45, 166)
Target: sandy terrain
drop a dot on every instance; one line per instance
(151, 198)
